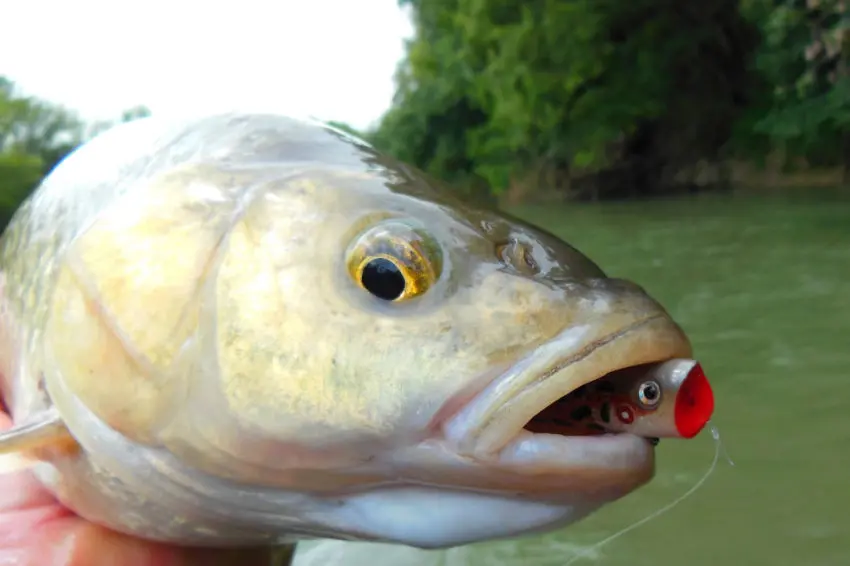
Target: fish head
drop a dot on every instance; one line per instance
(277, 306)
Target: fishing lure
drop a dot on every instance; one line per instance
(668, 400)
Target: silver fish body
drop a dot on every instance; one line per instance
(251, 329)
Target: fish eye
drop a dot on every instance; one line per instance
(649, 394)
(383, 278)
(394, 261)
(518, 255)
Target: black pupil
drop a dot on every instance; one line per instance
(383, 279)
(650, 392)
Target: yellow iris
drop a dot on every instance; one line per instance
(394, 261)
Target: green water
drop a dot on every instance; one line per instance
(762, 286)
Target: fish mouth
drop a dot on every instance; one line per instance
(494, 425)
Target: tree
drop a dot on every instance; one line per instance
(805, 62)
(35, 127)
(543, 92)
(134, 113)
(35, 135)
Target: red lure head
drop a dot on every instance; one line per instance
(694, 403)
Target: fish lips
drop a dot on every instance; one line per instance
(494, 418)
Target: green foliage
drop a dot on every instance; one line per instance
(128, 115)
(606, 98)
(19, 173)
(804, 58)
(632, 92)
(36, 128)
(135, 113)
(35, 135)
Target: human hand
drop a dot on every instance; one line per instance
(35, 530)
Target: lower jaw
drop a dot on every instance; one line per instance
(588, 464)
(592, 466)
(536, 453)
(542, 467)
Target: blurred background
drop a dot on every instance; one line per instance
(699, 148)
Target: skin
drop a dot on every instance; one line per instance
(36, 530)
(184, 308)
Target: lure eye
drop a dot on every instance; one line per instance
(649, 394)
(394, 261)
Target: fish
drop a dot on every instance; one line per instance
(243, 329)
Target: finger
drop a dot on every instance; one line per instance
(35, 530)
(71, 541)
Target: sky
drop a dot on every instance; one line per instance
(330, 59)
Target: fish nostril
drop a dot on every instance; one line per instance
(518, 256)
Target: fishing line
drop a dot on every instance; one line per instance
(718, 449)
